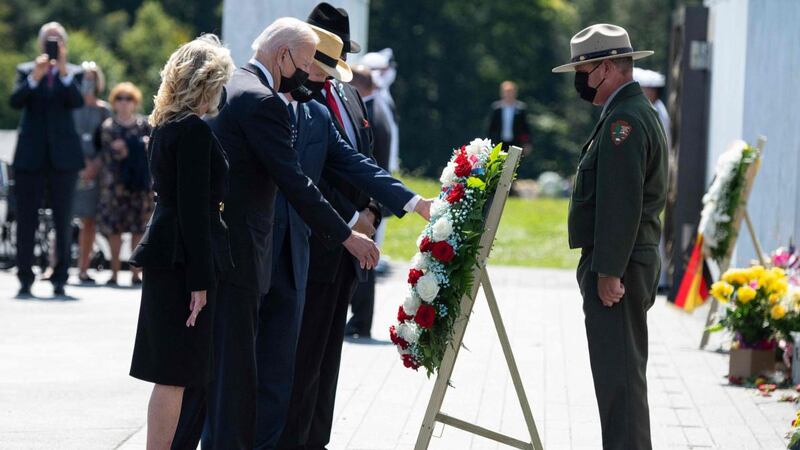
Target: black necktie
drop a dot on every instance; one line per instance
(292, 123)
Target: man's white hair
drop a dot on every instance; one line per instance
(52, 26)
(285, 32)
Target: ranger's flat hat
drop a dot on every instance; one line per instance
(599, 42)
(327, 55)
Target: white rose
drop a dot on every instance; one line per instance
(442, 229)
(473, 149)
(411, 304)
(427, 287)
(449, 174)
(439, 207)
(420, 261)
(479, 145)
(408, 331)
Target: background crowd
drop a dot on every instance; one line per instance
(468, 43)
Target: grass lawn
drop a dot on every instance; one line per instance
(532, 232)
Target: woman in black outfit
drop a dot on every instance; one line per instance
(185, 245)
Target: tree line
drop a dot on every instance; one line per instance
(451, 56)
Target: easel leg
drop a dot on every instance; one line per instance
(512, 363)
(443, 377)
(712, 312)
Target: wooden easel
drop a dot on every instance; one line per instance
(433, 413)
(741, 213)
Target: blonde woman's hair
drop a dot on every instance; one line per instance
(193, 76)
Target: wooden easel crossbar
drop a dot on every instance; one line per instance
(433, 412)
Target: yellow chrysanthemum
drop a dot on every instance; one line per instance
(774, 298)
(766, 279)
(779, 287)
(745, 294)
(722, 291)
(737, 277)
(756, 272)
(731, 276)
(777, 312)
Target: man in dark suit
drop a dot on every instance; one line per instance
(254, 129)
(379, 116)
(508, 122)
(332, 275)
(48, 155)
(319, 146)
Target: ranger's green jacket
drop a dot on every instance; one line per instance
(621, 185)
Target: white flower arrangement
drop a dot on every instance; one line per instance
(718, 202)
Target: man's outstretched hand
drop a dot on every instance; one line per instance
(363, 248)
(610, 290)
(423, 208)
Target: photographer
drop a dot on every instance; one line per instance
(48, 154)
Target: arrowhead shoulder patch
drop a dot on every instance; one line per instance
(620, 130)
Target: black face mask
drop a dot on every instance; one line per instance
(586, 92)
(308, 91)
(288, 84)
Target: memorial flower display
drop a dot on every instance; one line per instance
(441, 272)
(760, 305)
(723, 197)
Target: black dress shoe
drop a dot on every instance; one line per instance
(58, 290)
(86, 279)
(24, 291)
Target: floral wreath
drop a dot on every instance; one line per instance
(442, 271)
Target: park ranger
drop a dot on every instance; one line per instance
(619, 193)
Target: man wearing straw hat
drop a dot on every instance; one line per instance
(322, 152)
(620, 190)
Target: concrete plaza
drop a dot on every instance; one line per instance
(64, 382)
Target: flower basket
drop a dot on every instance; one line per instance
(749, 362)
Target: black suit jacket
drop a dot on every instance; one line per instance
(47, 132)
(319, 146)
(189, 172)
(253, 128)
(381, 130)
(344, 196)
(520, 129)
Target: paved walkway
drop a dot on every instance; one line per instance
(64, 383)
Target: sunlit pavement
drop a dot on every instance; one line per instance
(64, 380)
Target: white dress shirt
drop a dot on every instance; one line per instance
(508, 123)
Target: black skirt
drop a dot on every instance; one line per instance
(166, 351)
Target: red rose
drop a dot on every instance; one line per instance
(402, 316)
(413, 276)
(463, 166)
(425, 315)
(425, 244)
(443, 251)
(408, 361)
(456, 193)
(397, 340)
